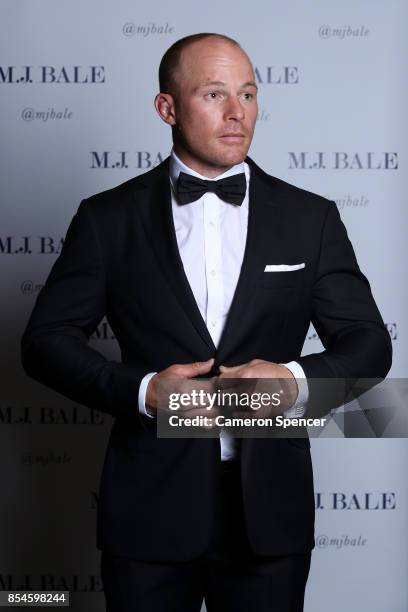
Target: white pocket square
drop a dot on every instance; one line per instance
(283, 267)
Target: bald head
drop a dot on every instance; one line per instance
(171, 63)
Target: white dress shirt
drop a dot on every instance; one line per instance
(211, 236)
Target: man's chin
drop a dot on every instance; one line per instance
(230, 156)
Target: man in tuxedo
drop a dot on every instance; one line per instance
(206, 267)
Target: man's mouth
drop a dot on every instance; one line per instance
(232, 137)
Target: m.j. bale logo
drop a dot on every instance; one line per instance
(343, 160)
(52, 74)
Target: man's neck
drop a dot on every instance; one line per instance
(205, 170)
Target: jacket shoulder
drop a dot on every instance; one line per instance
(302, 196)
(292, 196)
(126, 193)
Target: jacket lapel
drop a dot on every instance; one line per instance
(155, 208)
(264, 241)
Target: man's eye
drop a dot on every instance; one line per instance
(248, 96)
(212, 95)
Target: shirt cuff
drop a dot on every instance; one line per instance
(142, 394)
(299, 407)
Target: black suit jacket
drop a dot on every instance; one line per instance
(120, 259)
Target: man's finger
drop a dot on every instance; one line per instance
(197, 368)
(226, 369)
(232, 372)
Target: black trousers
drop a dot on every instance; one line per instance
(229, 577)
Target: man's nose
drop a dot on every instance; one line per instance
(234, 109)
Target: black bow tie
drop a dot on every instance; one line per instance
(231, 189)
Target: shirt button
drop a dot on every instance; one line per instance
(212, 223)
(214, 323)
(213, 273)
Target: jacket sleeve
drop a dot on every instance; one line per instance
(357, 344)
(69, 307)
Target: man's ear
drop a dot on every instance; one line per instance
(164, 104)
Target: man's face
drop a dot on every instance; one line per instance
(215, 106)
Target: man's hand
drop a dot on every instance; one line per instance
(180, 376)
(247, 378)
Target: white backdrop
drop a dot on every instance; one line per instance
(77, 82)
